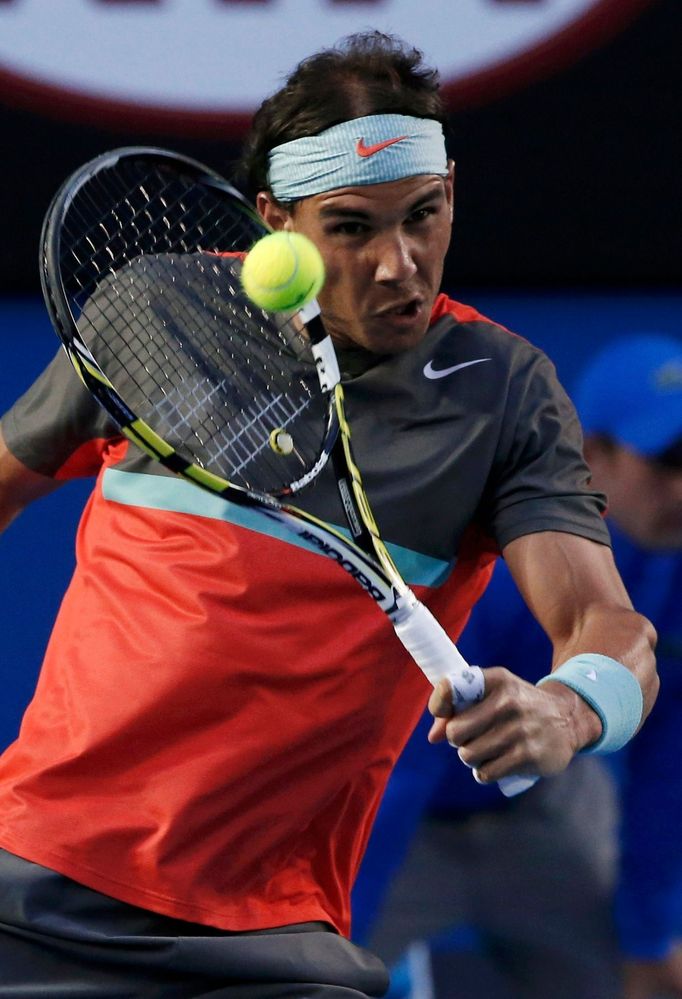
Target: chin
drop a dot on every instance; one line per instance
(390, 345)
(387, 339)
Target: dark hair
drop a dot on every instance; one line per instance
(366, 73)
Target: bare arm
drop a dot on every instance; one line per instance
(19, 485)
(574, 590)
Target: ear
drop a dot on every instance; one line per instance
(272, 212)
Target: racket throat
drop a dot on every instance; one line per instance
(363, 532)
(357, 528)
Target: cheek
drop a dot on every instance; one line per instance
(343, 284)
(333, 281)
(435, 248)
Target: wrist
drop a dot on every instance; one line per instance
(584, 722)
(610, 690)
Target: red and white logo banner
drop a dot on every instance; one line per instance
(201, 65)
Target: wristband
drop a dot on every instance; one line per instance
(611, 690)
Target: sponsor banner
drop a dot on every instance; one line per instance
(198, 65)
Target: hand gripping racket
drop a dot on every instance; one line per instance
(140, 257)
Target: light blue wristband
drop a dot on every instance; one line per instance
(611, 690)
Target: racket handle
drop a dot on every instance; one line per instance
(437, 656)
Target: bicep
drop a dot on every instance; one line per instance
(19, 485)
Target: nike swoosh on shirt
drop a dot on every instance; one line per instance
(431, 372)
(362, 150)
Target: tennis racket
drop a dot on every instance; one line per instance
(141, 252)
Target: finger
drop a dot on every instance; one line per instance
(466, 726)
(440, 702)
(483, 752)
(437, 731)
(501, 707)
(504, 764)
(493, 747)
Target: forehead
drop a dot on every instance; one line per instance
(372, 199)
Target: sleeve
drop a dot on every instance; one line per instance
(540, 481)
(57, 428)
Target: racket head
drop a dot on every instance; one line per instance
(140, 256)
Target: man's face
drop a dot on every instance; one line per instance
(645, 499)
(383, 247)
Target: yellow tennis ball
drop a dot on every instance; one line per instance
(282, 272)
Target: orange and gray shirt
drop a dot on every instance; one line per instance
(219, 708)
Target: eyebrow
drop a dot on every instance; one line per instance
(331, 211)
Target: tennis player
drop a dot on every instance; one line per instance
(190, 795)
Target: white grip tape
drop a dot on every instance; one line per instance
(437, 656)
(516, 784)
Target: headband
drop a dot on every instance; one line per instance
(369, 150)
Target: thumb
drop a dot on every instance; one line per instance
(440, 701)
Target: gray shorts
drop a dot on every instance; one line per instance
(61, 940)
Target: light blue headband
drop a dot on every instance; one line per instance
(369, 150)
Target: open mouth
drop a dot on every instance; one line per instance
(408, 309)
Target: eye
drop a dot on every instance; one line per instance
(350, 228)
(421, 214)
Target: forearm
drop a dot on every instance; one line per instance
(588, 611)
(573, 589)
(523, 728)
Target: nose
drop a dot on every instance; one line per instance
(394, 259)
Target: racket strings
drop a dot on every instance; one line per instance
(249, 433)
(150, 266)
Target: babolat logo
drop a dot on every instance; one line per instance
(328, 549)
(349, 509)
(205, 65)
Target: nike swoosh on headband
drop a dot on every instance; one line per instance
(431, 372)
(362, 150)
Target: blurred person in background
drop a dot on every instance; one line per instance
(573, 890)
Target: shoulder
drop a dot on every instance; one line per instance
(451, 318)
(461, 332)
